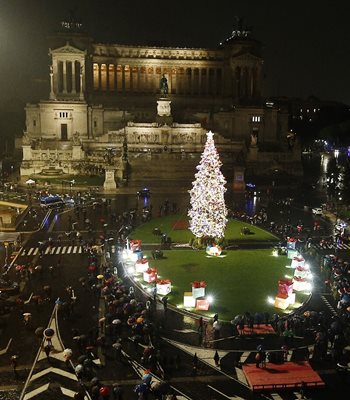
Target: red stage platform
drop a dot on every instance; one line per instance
(281, 376)
(260, 329)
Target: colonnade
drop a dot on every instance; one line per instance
(181, 80)
(66, 77)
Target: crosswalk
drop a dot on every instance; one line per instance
(55, 250)
(330, 246)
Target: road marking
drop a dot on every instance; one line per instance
(244, 356)
(58, 250)
(80, 249)
(75, 248)
(36, 391)
(4, 351)
(57, 371)
(69, 249)
(29, 298)
(64, 250)
(240, 375)
(36, 251)
(47, 250)
(329, 305)
(225, 395)
(53, 250)
(30, 251)
(184, 330)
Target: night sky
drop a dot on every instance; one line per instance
(306, 43)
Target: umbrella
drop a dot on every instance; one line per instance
(105, 390)
(81, 359)
(94, 380)
(39, 331)
(147, 379)
(30, 182)
(48, 332)
(27, 314)
(78, 368)
(141, 388)
(67, 352)
(116, 322)
(100, 276)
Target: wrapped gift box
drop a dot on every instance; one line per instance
(301, 285)
(163, 286)
(291, 244)
(198, 289)
(292, 253)
(135, 245)
(150, 275)
(141, 265)
(281, 302)
(285, 287)
(298, 262)
(301, 273)
(189, 300)
(202, 304)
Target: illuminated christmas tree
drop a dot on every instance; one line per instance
(208, 210)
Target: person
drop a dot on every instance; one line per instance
(165, 302)
(14, 363)
(258, 359)
(164, 85)
(117, 391)
(47, 350)
(217, 358)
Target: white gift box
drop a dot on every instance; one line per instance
(163, 289)
(141, 267)
(189, 300)
(198, 292)
(283, 303)
(298, 262)
(149, 277)
(301, 286)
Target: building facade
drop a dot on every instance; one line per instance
(103, 101)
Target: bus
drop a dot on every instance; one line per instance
(51, 201)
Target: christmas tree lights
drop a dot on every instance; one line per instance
(208, 210)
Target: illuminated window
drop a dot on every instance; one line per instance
(96, 77)
(256, 118)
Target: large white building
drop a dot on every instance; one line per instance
(102, 111)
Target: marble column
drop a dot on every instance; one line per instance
(74, 91)
(52, 93)
(64, 77)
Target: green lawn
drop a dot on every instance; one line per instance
(165, 224)
(241, 281)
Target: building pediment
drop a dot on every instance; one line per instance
(67, 49)
(246, 57)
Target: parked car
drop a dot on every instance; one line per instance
(317, 211)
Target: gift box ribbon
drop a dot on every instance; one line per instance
(151, 271)
(163, 281)
(199, 284)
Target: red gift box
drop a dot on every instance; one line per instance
(135, 245)
(285, 287)
(202, 304)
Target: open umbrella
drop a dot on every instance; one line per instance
(146, 378)
(141, 388)
(30, 182)
(81, 359)
(39, 331)
(116, 322)
(67, 352)
(104, 391)
(100, 276)
(49, 332)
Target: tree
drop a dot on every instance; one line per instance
(208, 210)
